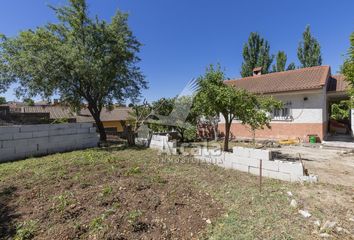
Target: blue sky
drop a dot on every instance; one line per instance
(182, 37)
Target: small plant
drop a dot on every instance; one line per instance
(134, 170)
(26, 230)
(134, 215)
(62, 201)
(97, 224)
(106, 191)
(159, 179)
(116, 205)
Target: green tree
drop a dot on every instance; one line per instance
(341, 110)
(2, 100)
(85, 60)
(348, 67)
(232, 103)
(309, 50)
(256, 54)
(291, 66)
(185, 128)
(29, 101)
(137, 118)
(169, 112)
(280, 64)
(280, 60)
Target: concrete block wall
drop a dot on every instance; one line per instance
(248, 160)
(19, 142)
(162, 143)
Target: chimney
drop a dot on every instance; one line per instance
(257, 71)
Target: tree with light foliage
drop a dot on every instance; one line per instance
(232, 103)
(85, 60)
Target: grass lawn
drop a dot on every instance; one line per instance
(117, 193)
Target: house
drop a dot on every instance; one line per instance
(307, 95)
(113, 120)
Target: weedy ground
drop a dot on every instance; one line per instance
(133, 193)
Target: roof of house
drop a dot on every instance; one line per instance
(56, 112)
(117, 114)
(59, 112)
(287, 81)
(337, 83)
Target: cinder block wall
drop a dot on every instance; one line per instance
(248, 160)
(19, 142)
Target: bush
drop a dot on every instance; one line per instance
(190, 134)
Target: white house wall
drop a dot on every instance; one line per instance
(313, 110)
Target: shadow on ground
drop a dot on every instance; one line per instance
(287, 157)
(7, 213)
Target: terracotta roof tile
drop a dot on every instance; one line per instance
(287, 81)
(337, 83)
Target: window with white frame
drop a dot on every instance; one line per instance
(283, 113)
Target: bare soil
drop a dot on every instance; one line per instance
(104, 198)
(333, 166)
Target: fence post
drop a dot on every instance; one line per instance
(260, 175)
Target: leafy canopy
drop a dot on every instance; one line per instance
(83, 59)
(280, 64)
(256, 54)
(348, 67)
(2, 100)
(309, 50)
(215, 97)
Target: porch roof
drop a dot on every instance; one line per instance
(337, 83)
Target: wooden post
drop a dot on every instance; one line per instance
(260, 175)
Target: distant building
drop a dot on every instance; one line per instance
(113, 120)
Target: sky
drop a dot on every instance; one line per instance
(182, 37)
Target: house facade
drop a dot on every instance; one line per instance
(307, 95)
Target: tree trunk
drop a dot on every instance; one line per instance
(254, 137)
(215, 132)
(101, 130)
(99, 124)
(181, 135)
(130, 135)
(227, 135)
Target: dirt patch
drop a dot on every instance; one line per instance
(331, 165)
(112, 199)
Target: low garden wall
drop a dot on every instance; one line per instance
(248, 160)
(162, 143)
(19, 142)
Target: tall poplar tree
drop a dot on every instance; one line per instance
(256, 54)
(309, 50)
(280, 63)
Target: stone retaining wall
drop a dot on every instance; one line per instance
(19, 142)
